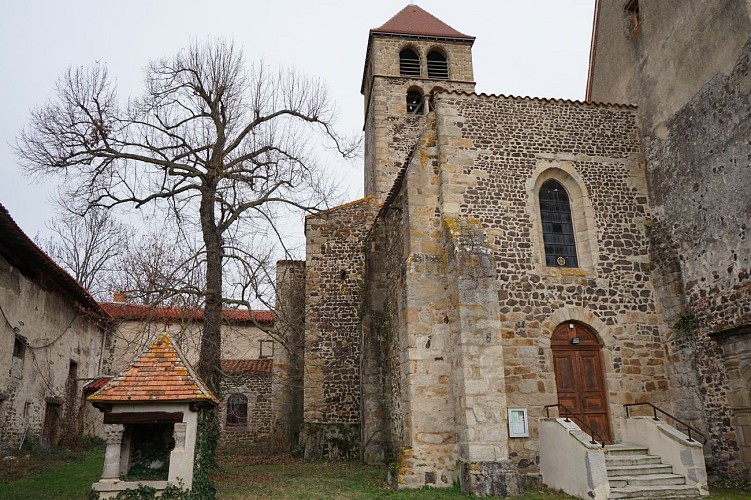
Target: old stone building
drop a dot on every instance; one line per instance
(54, 338)
(248, 353)
(517, 254)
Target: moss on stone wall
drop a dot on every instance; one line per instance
(330, 441)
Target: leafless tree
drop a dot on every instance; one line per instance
(155, 271)
(87, 247)
(220, 146)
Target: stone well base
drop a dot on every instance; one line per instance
(110, 489)
(499, 479)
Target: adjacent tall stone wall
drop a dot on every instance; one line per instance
(700, 172)
(289, 331)
(688, 70)
(334, 288)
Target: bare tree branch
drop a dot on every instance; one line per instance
(213, 144)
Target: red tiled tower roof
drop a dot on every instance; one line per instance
(158, 374)
(412, 20)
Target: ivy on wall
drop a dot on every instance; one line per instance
(203, 465)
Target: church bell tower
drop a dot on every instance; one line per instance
(410, 58)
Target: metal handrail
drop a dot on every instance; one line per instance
(566, 413)
(655, 409)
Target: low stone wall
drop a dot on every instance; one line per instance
(331, 441)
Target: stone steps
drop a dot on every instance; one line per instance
(664, 492)
(647, 480)
(633, 460)
(634, 473)
(638, 470)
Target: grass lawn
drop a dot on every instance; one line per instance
(68, 475)
(282, 478)
(247, 477)
(61, 475)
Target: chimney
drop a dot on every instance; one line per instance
(119, 297)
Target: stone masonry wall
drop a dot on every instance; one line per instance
(334, 287)
(428, 453)
(289, 328)
(688, 70)
(495, 150)
(700, 174)
(390, 131)
(256, 386)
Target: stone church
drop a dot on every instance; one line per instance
(519, 259)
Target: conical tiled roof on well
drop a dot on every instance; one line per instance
(158, 374)
(412, 20)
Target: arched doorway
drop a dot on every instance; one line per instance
(579, 377)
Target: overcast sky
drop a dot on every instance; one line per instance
(527, 48)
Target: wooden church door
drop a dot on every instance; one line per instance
(579, 377)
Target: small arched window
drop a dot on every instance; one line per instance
(415, 104)
(409, 63)
(557, 227)
(437, 66)
(237, 410)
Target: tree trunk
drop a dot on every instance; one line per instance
(211, 339)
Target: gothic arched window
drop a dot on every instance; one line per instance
(237, 410)
(438, 67)
(409, 63)
(557, 227)
(414, 102)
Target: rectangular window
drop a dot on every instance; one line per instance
(267, 349)
(237, 410)
(19, 353)
(19, 347)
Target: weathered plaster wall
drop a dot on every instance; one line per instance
(239, 341)
(688, 70)
(665, 62)
(57, 333)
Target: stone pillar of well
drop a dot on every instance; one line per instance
(114, 438)
(183, 454)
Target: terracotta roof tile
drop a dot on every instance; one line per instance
(247, 365)
(140, 311)
(412, 20)
(95, 384)
(159, 373)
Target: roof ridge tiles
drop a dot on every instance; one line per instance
(536, 98)
(339, 207)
